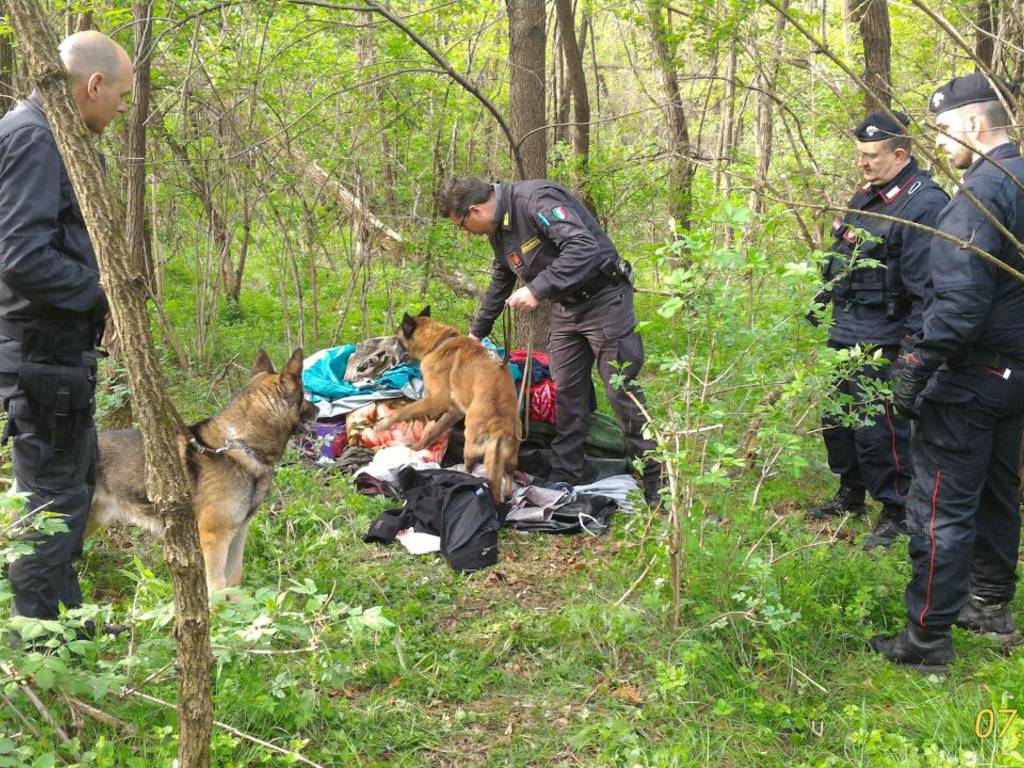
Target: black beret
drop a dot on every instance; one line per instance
(879, 126)
(969, 89)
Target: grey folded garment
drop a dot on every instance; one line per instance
(372, 357)
(534, 503)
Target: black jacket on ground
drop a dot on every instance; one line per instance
(975, 304)
(48, 268)
(880, 305)
(546, 236)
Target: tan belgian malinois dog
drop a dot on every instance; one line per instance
(463, 379)
(229, 460)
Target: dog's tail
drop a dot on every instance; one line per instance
(501, 454)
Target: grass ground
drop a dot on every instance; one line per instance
(561, 655)
(564, 654)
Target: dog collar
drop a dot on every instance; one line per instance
(442, 342)
(231, 444)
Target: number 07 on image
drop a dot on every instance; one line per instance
(985, 722)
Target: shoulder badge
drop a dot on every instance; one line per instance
(559, 213)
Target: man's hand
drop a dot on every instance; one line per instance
(821, 299)
(523, 299)
(909, 376)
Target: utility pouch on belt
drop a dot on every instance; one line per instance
(617, 270)
(61, 400)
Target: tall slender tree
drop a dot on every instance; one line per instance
(872, 17)
(577, 79)
(680, 180)
(527, 48)
(166, 484)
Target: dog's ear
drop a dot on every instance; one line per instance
(262, 363)
(293, 368)
(408, 325)
(425, 312)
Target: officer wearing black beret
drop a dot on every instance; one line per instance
(964, 381)
(875, 279)
(542, 233)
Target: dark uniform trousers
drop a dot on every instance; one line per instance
(602, 329)
(964, 510)
(60, 482)
(876, 455)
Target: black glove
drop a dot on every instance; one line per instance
(909, 376)
(822, 298)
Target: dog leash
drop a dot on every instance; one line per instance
(506, 324)
(524, 389)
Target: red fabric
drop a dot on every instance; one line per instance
(519, 356)
(542, 401)
(362, 430)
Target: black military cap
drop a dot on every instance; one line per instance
(879, 126)
(969, 89)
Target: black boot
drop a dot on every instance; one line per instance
(892, 524)
(847, 501)
(990, 619)
(926, 650)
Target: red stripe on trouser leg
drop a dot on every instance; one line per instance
(931, 563)
(895, 453)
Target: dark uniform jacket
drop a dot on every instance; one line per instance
(48, 271)
(975, 304)
(547, 237)
(880, 305)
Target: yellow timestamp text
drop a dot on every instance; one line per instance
(987, 720)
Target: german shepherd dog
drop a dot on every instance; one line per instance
(463, 379)
(229, 460)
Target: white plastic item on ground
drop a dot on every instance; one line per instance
(388, 461)
(419, 543)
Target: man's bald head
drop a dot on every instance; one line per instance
(85, 53)
(101, 76)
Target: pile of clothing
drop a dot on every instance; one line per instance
(442, 507)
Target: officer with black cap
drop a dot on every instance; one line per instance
(52, 311)
(875, 279)
(542, 233)
(964, 382)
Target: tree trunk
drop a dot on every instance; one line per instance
(680, 180)
(984, 40)
(723, 182)
(166, 484)
(527, 44)
(580, 99)
(135, 145)
(873, 18)
(8, 72)
(136, 217)
(767, 76)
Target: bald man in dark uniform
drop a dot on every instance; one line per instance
(52, 311)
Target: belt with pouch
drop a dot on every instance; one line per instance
(985, 358)
(588, 290)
